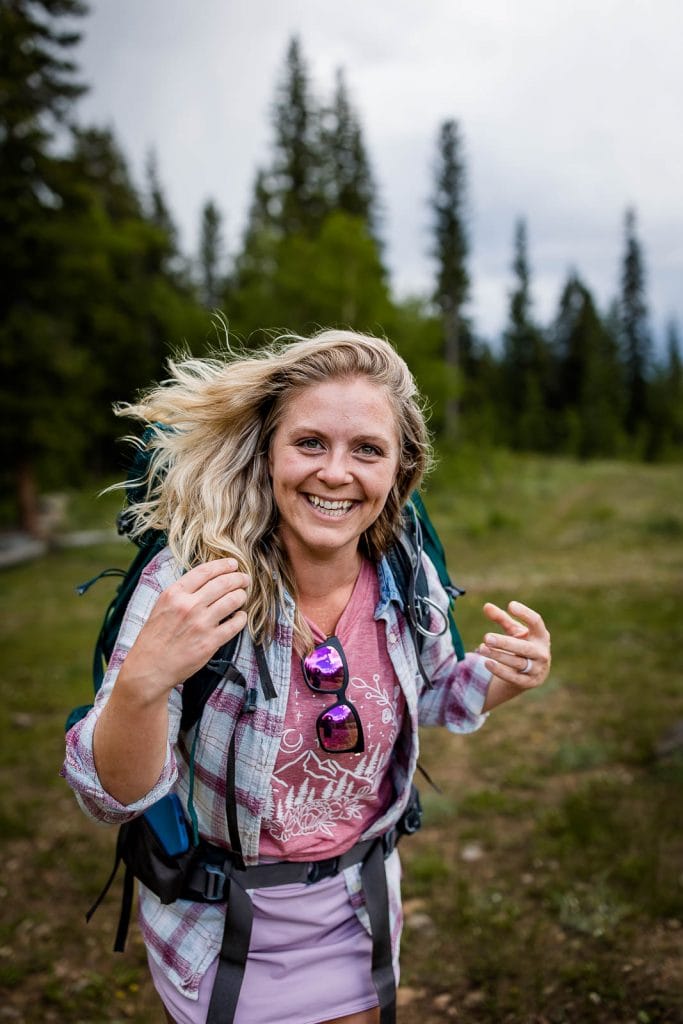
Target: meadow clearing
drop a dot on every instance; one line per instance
(546, 886)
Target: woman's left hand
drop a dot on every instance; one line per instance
(519, 657)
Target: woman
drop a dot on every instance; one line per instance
(282, 481)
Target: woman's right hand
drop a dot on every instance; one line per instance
(192, 619)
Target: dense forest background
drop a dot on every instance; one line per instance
(96, 292)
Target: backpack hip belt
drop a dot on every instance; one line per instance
(213, 869)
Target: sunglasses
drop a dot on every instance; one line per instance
(326, 671)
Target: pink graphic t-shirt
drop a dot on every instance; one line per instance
(320, 803)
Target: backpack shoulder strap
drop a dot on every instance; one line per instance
(196, 692)
(113, 616)
(199, 687)
(405, 559)
(430, 542)
(406, 571)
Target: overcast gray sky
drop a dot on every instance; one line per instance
(570, 112)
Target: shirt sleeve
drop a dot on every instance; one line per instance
(79, 765)
(459, 687)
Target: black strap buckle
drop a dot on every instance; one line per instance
(214, 882)
(410, 821)
(319, 869)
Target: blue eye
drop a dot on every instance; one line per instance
(309, 443)
(369, 450)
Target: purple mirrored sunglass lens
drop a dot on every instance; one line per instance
(325, 669)
(338, 729)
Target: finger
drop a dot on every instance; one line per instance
(510, 625)
(532, 618)
(199, 575)
(495, 646)
(231, 627)
(227, 605)
(192, 605)
(536, 649)
(215, 589)
(533, 665)
(510, 674)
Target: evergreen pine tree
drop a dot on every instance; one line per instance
(309, 255)
(346, 178)
(211, 256)
(569, 344)
(450, 252)
(674, 384)
(665, 421)
(250, 304)
(97, 161)
(525, 359)
(159, 215)
(586, 392)
(294, 182)
(674, 365)
(39, 86)
(634, 329)
(118, 305)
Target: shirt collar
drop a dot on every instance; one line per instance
(388, 591)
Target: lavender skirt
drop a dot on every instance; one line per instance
(309, 961)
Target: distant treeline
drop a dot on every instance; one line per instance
(96, 293)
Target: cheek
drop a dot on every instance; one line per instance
(393, 478)
(384, 487)
(279, 460)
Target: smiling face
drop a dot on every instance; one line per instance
(333, 461)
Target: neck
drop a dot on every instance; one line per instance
(324, 590)
(318, 578)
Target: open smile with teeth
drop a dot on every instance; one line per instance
(330, 508)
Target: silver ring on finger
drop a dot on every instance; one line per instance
(527, 668)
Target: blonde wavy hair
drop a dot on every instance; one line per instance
(207, 485)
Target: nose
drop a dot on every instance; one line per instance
(335, 470)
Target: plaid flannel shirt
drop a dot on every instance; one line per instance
(185, 937)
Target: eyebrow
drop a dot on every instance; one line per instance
(379, 439)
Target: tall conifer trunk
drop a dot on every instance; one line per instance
(27, 498)
(450, 252)
(451, 353)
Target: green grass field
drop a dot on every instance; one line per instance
(547, 884)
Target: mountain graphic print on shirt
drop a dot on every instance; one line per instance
(320, 803)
